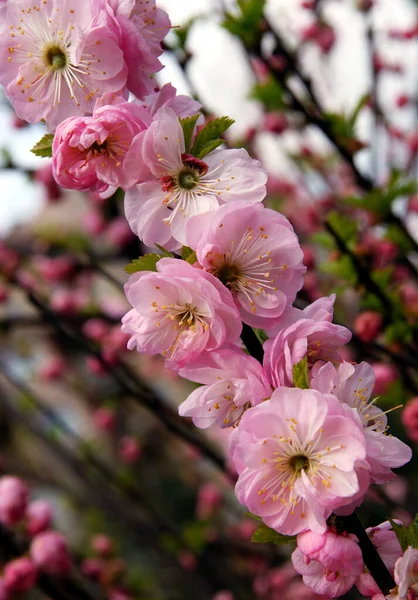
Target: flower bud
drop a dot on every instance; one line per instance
(102, 545)
(105, 419)
(19, 575)
(129, 449)
(368, 325)
(39, 516)
(49, 552)
(13, 500)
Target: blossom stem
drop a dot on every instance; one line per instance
(371, 557)
(351, 523)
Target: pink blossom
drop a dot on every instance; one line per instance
(255, 253)
(368, 325)
(167, 97)
(329, 563)
(69, 54)
(89, 152)
(141, 26)
(385, 375)
(174, 186)
(209, 499)
(224, 595)
(103, 545)
(105, 419)
(232, 380)
(129, 449)
(4, 594)
(179, 312)
(39, 516)
(296, 455)
(353, 385)
(409, 418)
(303, 333)
(13, 500)
(386, 543)
(49, 552)
(19, 575)
(406, 575)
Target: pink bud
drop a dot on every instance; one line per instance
(275, 122)
(129, 449)
(368, 325)
(49, 551)
(93, 568)
(308, 256)
(13, 500)
(94, 223)
(102, 545)
(4, 294)
(118, 594)
(413, 143)
(4, 594)
(385, 375)
(208, 501)
(64, 301)
(224, 595)
(39, 516)
(19, 575)
(409, 417)
(413, 204)
(95, 329)
(52, 368)
(187, 560)
(119, 233)
(402, 100)
(95, 366)
(326, 39)
(105, 419)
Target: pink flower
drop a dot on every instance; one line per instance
(89, 152)
(49, 552)
(296, 455)
(103, 545)
(129, 449)
(179, 312)
(209, 499)
(142, 26)
(255, 253)
(329, 563)
(368, 325)
(303, 333)
(167, 97)
(13, 500)
(353, 385)
(406, 575)
(386, 543)
(57, 57)
(232, 380)
(174, 186)
(39, 516)
(409, 418)
(19, 575)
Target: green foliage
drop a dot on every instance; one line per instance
(247, 24)
(188, 125)
(300, 374)
(324, 239)
(143, 263)
(43, 148)
(379, 201)
(208, 138)
(188, 255)
(399, 332)
(270, 94)
(341, 268)
(265, 535)
(261, 335)
(164, 252)
(407, 536)
(343, 126)
(344, 226)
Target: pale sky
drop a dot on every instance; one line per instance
(222, 79)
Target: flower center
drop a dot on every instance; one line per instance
(228, 274)
(55, 57)
(97, 148)
(188, 178)
(299, 463)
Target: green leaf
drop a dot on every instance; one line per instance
(247, 24)
(188, 125)
(300, 374)
(43, 148)
(188, 255)
(359, 106)
(407, 536)
(143, 263)
(208, 138)
(265, 535)
(344, 226)
(261, 335)
(270, 93)
(341, 268)
(164, 253)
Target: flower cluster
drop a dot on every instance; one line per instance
(307, 439)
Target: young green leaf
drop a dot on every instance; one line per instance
(300, 374)
(188, 125)
(143, 263)
(208, 138)
(43, 148)
(164, 252)
(407, 536)
(188, 255)
(265, 535)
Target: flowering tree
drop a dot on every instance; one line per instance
(234, 275)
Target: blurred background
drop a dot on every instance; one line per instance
(325, 94)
